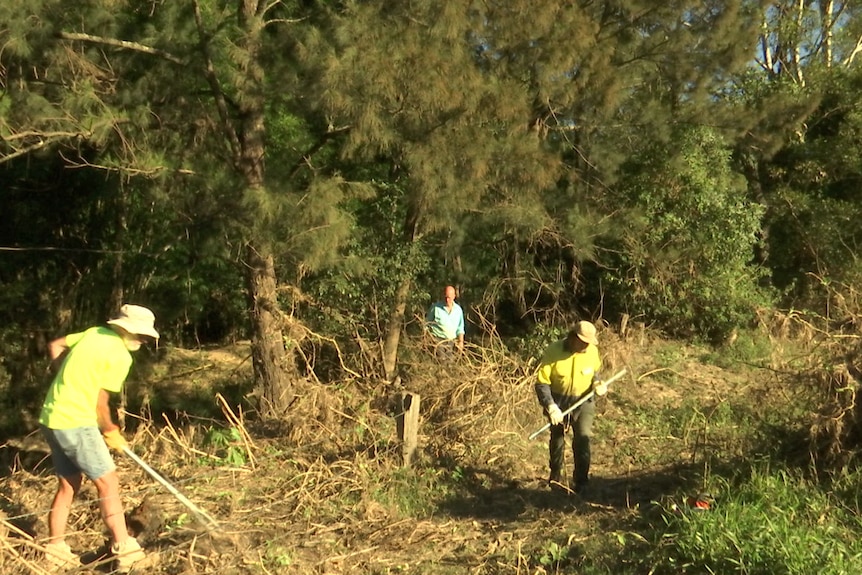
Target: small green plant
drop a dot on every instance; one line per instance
(457, 474)
(180, 521)
(228, 445)
(553, 555)
(277, 557)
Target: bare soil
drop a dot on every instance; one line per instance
(322, 491)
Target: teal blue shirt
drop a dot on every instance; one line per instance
(445, 324)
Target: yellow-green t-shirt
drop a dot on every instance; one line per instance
(97, 359)
(569, 373)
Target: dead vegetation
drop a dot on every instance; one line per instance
(323, 491)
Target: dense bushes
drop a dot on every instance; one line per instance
(685, 259)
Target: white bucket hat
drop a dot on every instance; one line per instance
(136, 319)
(587, 332)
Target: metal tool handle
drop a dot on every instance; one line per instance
(208, 521)
(580, 402)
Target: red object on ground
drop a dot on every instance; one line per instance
(698, 502)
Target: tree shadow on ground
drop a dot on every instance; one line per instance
(488, 496)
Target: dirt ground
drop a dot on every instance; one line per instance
(323, 490)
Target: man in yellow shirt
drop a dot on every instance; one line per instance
(76, 421)
(569, 370)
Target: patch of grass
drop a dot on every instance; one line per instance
(772, 521)
(733, 427)
(751, 347)
(669, 355)
(416, 492)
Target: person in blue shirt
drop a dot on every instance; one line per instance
(445, 323)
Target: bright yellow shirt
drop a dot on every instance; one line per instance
(97, 359)
(569, 373)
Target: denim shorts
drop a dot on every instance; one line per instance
(79, 450)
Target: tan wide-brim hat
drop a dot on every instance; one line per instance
(136, 319)
(586, 332)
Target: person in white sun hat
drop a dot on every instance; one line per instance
(77, 424)
(569, 371)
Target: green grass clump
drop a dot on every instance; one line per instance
(772, 522)
(415, 492)
(751, 347)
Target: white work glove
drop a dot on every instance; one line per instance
(600, 388)
(555, 414)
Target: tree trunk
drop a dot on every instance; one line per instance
(274, 369)
(269, 358)
(827, 22)
(393, 328)
(117, 296)
(392, 337)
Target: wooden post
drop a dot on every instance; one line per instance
(408, 426)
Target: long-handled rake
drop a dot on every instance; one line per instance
(205, 519)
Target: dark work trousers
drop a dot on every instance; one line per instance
(445, 350)
(581, 422)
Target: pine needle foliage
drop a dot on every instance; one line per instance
(405, 78)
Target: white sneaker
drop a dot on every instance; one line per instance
(128, 554)
(60, 555)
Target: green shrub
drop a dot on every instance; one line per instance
(684, 260)
(532, 346)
